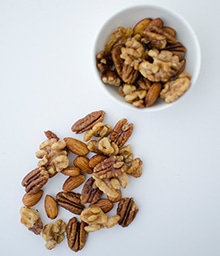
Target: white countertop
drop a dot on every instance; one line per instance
(47, 82)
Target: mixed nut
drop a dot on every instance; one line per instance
(102, 165)
(145, 63)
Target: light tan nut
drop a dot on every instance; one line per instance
(70, 201)
(135, 169)
(97, 219)
(35, 180)
(127, 210)
(113, 166)
(88, 121)
(76, 146)
(50, 206)
(133, 52)
(126, 153)
(106, 187)
(103, 146)
(82, 162)
(53, 155)
(73, 182)
(176, 88)
(53, 233)
(105, 204)
(153, 94)
(98, 130)
(118, 36)
(71, 171)
(31, 219)
(76, 234)
(96, 159)
(121, 132)
(90, 193)
(165, 65)
(30, 199)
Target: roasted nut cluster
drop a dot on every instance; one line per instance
(145, 63)
(102, 164)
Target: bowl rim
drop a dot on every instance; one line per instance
(157, 7)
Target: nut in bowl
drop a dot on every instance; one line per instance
(147, 58)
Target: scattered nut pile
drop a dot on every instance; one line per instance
(145, 63)
(102, 165)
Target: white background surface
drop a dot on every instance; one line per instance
(47, 82)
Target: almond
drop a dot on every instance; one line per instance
(82, 162)
(30, 199)
(71, 171)
(76, 146)
(51, 207)
(153, 94)
(73, 182)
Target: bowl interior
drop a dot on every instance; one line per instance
(185, 34)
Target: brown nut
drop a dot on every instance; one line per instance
(76, 234)
(70, 201)
(141, 26)
(35, 180)
(50, 206)
(96, 159)
(153, 94)
(82, 162)
(88, 121)
(127, 210)
(90, 193)
(71, 171)
(121, 132)
(30, 199)
(76, 146)
(73, 182)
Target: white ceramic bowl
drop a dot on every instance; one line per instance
(185, 34)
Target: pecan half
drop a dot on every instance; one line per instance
(70, 201)
(127, 210)
(110, 167)
(76, 234)
(121, 132)
(90, 193)
(35, 180)
(88, 121)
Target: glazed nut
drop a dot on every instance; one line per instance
(76, 234)
(90, 193)
(31, 219)
(73, 182)
(88, 121)
(30, 199)
(53, 233)
(50, 206)
(127, 210)
(82, 162)
(76, 146)
(35, 180)
(141, 26)
(70, 201)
